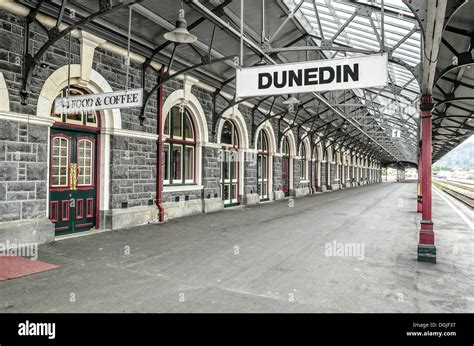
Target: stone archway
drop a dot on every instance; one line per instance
(110, 119)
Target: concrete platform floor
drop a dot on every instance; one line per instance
(269, 258)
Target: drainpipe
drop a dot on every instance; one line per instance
(311, 165)
(159, 152)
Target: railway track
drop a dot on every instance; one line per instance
(462, 191)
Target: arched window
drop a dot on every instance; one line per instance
(262, 165)
(285, 146)
(180, 147)
(262, 142)
(83, 117)
(230, 136)
(304, 163)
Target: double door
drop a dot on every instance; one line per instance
(262, 176)
(229, 177)
(73, 180)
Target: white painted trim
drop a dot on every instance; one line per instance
(211, 145)
(291, 142)
(319, 152)
(181, 188)
(267, 126)
(88, 44)
(238, 119)
(187, 98)
(129, 133)
(26, 118)
(110, 118)
(4, 97)
(181, 96)
(305, 142)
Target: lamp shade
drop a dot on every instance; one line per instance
(291, 100)
(180, 34)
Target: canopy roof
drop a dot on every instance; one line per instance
(383, 122)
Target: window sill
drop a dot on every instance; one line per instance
(172, 188)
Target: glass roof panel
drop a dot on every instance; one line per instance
(362, 29)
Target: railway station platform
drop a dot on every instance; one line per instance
(351, 250)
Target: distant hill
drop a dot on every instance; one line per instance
(461, 157)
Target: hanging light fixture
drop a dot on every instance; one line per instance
(291, 100)
(180, 34)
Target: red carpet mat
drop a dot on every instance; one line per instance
(14, 267)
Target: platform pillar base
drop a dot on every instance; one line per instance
(426, 253)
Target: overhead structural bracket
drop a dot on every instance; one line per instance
(30, 61)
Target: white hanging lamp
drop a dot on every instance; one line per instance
(291, 100)
(180, 34)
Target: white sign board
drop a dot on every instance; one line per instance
(96, 102)
(313, 76)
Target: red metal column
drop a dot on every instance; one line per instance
(426, 245)
(159, 154)
(419, 206)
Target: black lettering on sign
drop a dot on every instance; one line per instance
(310, 76)
(295, 77)
(307, 76)
(282, 83)
(338, 74)
(262, 83)
(354, 73)
(326, 79)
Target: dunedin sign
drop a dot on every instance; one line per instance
(313, 76)
(96, 102)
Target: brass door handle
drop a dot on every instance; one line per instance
(73, 176)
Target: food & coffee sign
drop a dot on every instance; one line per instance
(96, 102)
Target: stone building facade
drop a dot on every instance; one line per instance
(125, 163)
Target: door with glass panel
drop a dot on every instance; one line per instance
(229, 181)
(73, 180)
(262, 165)
(262, 175)
(285, 167)
(229, 163)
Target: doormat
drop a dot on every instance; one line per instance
(12, 267)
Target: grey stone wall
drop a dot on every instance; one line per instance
(250, 173)
(324, 179)
(23, 170)
(175, 196)
(211, 169)
(333, 174)
(277, 173)
(296, 174)
(132, 171)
